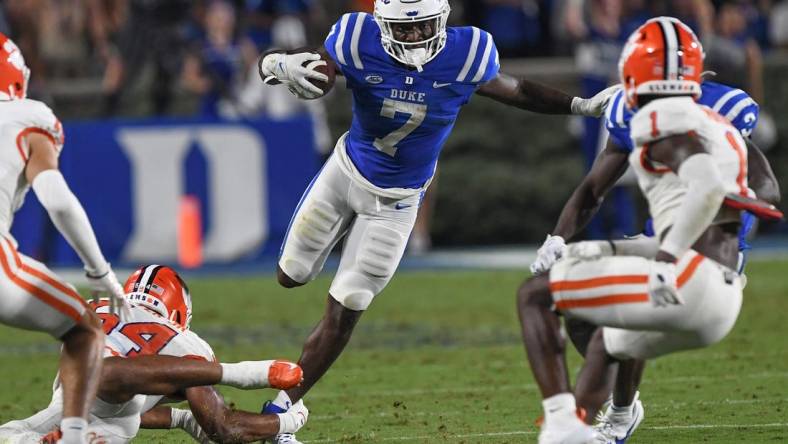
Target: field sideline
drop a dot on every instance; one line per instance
(438, 359)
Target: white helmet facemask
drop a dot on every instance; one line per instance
(389, 13)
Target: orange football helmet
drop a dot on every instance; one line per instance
(14, 74)
(162, 290)
(662, 57)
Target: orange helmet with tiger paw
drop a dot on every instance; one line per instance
(14, 74)
(161, 289)
(662, 57)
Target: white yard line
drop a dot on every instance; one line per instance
(771, 425)
(532, 387)
(648, 405)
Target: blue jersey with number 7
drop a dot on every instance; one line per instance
(402, 117)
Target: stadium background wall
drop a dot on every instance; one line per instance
(503, 176)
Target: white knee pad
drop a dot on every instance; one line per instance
(354, 290)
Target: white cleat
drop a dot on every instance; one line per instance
(286, 438)
(571, 431)
(618, 427)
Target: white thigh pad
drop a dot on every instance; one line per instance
(369, 260)
(315, 230)
(316, 224)
(380, 251)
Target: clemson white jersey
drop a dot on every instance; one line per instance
(681, 115)
(143, 333)
(18, 118)
(147, 333)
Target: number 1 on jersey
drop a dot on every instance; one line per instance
(417, 112)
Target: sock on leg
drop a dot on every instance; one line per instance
(559, 407)
(282, 400)
(73, 429)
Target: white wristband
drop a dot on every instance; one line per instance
(575, 107)
(246, 374)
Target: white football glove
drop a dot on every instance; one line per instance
(662, 286)
(292, 420)
(595, 106)
(289, 69)
(548, 254)
(185, 420)
(107, 283)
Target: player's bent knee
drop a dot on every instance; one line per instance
(357, 299)
(580, 333)
(534, 292)
(285, 280)
(88, 329)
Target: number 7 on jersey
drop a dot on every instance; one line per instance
(417, 112)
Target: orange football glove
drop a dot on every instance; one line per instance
(284, 375)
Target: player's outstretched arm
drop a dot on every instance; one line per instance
(543, 99)
(225, 425)
(69, 217)
(760, 176)
(123, 378)
(584, 202)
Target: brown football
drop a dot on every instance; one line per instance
(328, 70)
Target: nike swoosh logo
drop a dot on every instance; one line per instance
(439, 85)
(400, 206)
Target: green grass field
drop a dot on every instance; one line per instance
(438, 359)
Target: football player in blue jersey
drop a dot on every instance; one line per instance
(409, 75)
(625, 412)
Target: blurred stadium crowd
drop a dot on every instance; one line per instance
(131, 58)
(207, 47)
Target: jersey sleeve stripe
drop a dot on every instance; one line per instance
(611, 109)
(734, 112)
(341, 39)
(471, 55)
(485, 58)
(360, 19)
(722, 101)
(31, 129)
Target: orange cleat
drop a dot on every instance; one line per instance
(284, 375)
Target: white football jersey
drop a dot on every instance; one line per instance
(143, 333)
(147, 333)
(681, 115)
(19, 118)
